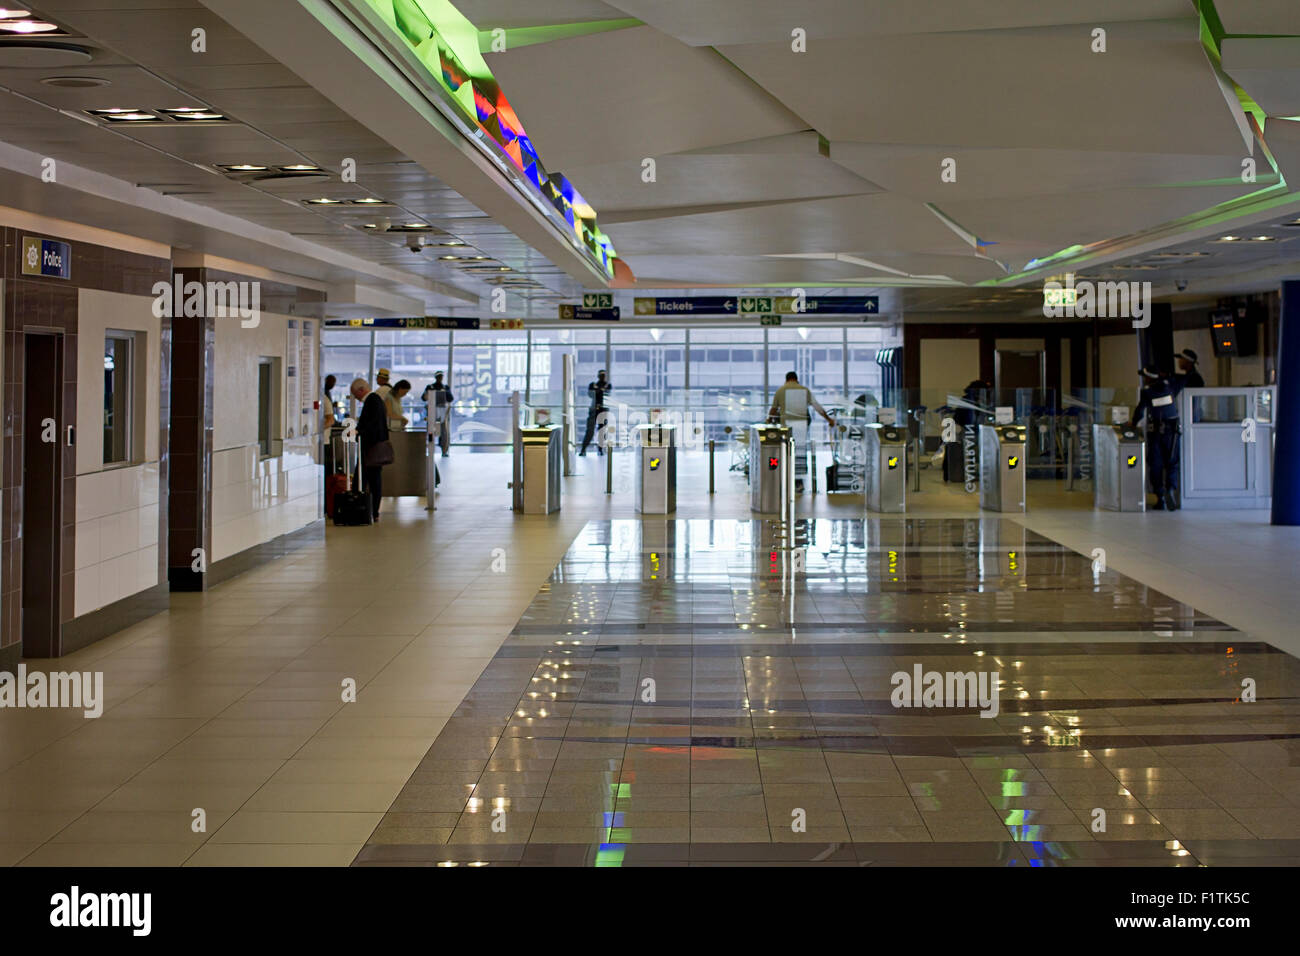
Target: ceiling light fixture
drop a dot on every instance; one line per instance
(323, 202)
(300, 168)
(1261, 239)
(121, 114)
(1228, 239)
(7, 14)
(26, 27)
(242, 167)
(369, 201)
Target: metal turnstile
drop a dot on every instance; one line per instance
(656, 486)
(771, 469)
(1121, 468)
(1002, 467)
(540, 466)
(885, 482)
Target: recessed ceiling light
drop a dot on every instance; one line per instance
(415, 225)
(368, 201)
(10, 14)
(453, 242)
(243, 168)
(1261, 239)
(1228, 239)
(322, 202)
(122, 114)
(197, 117)
(28, 26)
(75, 82)
(300, 168)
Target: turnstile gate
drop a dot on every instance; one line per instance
(1002, 467)
(1120, 461)
(656, 486)
(885, 481)
(771, 469)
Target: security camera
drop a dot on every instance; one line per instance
(415, 243)
(1180, 285)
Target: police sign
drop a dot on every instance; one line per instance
(46, 257)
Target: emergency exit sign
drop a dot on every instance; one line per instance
(769, 320)
(598, 300)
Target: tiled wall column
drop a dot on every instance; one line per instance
(190, 465)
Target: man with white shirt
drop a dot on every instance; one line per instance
(790, 407)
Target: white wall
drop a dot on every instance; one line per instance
(255, 499)
(118, 508)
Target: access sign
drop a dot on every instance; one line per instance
(569, 312)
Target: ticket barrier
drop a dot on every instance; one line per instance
(1002, 467)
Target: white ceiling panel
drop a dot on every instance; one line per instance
(630, 94)
(994, 173)
(721, 22)
(1080, 217)
(1039, 88)
(877, 223)
(1264, 17)
(1268, 68)
(694, 179)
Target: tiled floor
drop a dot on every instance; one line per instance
(770, 704)
(771, 692)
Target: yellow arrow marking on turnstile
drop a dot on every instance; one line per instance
(893, 461)
(1132, 460)
(1013, 460)
(654, 463)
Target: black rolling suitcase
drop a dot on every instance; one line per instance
(352, 507)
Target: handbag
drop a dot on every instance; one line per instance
(379, 454)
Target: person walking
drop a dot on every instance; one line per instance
(372, 432)
(790, 407)
(596, 414)
(441, 412)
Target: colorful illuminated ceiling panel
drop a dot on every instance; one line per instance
(448, 45)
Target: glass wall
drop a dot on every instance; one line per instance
(724, 375)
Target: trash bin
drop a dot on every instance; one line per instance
(1121, 467)
(541, 463)
(1002, 467)
(886, 473)
(771, 469)
(656, 486)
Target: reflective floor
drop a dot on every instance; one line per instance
(719, 691)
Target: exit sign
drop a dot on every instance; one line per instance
(598, 300)
(769, 320)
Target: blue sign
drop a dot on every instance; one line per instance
(693, 305)
(577, 312)
(46, 257)
(419, 322)
(843, 305)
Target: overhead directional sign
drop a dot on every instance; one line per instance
(598, 300)
(417, 322)
(570, 312)
(692, 305)
(759, 305)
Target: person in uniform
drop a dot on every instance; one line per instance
(442, 402)
(597, 390)
(1187, 371)
(1159, 405)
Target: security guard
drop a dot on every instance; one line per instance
(1159, 403)
(1188, 373)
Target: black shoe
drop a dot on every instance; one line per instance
(583, 453)
(1171, 499)
(1160, 504)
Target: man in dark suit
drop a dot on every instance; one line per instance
(372, 428)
